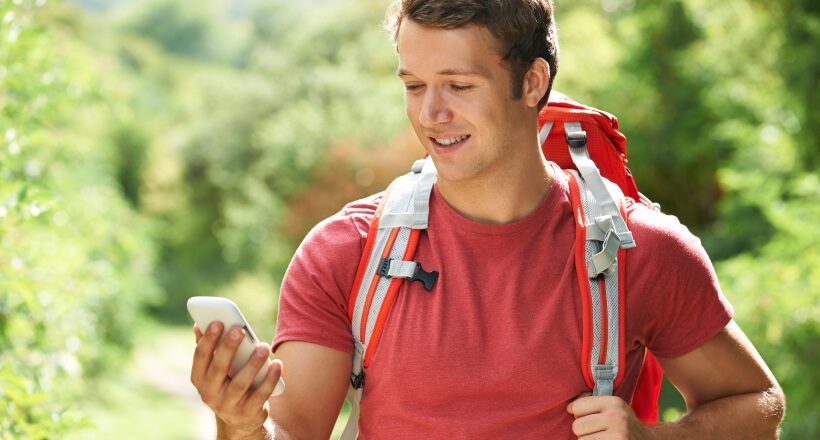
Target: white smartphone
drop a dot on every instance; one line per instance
(206, 309)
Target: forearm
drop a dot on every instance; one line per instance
(744, 416)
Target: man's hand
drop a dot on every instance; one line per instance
(606, 417)
(242, 411)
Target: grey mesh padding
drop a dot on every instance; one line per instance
(603, 374)
(406, 208)
(382, 236)
(612, 295)
(403, 194)
(595, 301)
(399, 247)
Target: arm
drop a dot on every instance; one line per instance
(729, 391)
(316, 384)
(317, 379)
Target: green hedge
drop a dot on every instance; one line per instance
(75, 257)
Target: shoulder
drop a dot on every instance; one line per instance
(675, 301)
(665, 246)
(655, 225)
(313, 297)
(328, 256)
(656, 231)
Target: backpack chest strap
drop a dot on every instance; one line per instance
(410, 270)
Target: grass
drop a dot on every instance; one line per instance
(152, 397)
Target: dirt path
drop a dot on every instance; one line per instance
(164, 363)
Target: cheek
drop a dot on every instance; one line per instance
(411, 107)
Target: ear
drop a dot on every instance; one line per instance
(536, 82)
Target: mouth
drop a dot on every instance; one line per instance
(450, 141)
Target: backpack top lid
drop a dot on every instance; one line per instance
(606, 145)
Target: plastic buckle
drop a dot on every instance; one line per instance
(427, 278)
(357, 380)
(384, 268)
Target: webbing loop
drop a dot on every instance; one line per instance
(604, 377)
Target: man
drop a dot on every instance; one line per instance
(492, 351)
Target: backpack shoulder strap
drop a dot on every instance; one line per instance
(386, 260)
(602, 235)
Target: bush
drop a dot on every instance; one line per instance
(75, 258)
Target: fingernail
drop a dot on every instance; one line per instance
(213, 328)
(236, 333)
(261, 352)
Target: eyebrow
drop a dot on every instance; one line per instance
(451, 72)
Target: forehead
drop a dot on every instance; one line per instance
(425, 49)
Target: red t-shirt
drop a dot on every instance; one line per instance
(494, 351)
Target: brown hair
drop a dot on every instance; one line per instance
(525, 29)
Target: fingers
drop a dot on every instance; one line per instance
(203, 354)
(589, 425)
(599, 416)
(265, 389)
(219, 369)
(587, 404)
(243, 380)
(229, 398)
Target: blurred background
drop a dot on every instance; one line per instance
(158, 149)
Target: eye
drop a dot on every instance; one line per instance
(461, 88)
(411, 87)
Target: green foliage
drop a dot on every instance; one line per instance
(75, 259)
(181, 28)
(247, 140)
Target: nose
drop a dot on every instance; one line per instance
(434, 109)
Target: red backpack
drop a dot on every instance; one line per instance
(607, 149)
(586, 143)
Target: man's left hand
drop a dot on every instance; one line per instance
(606, 417)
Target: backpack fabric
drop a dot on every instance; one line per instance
(586, 143)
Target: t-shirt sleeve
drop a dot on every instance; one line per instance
(673, 292)
(314, 291)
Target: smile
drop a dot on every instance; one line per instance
(450, 141)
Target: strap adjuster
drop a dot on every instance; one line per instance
(575, 138)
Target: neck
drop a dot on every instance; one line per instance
(501, 196)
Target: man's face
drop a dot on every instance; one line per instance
(459, 100)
